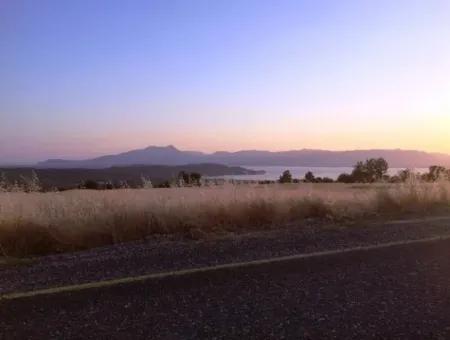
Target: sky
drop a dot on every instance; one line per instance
(84, 78)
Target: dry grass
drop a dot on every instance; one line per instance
(42, 223)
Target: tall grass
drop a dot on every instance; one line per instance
(42, 223)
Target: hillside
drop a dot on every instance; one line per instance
(70, 178)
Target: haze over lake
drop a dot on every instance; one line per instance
(274, 172)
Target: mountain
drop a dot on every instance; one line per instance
(153, 155)
(324, 158)
(169, 155)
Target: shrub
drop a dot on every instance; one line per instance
(146, 182)
(90, 184)
(345, 178)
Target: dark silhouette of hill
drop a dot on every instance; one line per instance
(153, 155)
(170, 155)
(71, 178)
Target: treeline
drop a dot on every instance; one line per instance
(32, 183)
(372, 171)
(434, 174)
(286, 177)
(22, 184)
(376, 170)
(184, 179)
(18, 179)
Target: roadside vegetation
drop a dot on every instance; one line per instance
(370, 171)
(36, 223)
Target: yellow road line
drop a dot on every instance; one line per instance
(178, 273)
(420, 220)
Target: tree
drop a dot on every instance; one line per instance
(376, 169)
(372, 170)
(195, 178)
(309, 177)
(184, 178)
(359, 173)
(31, 184)
(436, 172)
(3, 182)
(286, 177)
(405, 175)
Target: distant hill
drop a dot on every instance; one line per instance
(317, 158)
(152, 155)
(170, 155)
(71, 178)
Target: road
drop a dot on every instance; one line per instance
(396, 292)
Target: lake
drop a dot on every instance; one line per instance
(274, 172)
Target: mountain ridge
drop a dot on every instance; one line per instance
(170, 155)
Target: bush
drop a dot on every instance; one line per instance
(165, 184)
(146, 182)
(90, 184)
(345, 178)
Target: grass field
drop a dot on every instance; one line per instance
(43, 223)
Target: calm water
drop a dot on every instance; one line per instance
(274, 172)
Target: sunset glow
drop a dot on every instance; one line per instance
(81, 79)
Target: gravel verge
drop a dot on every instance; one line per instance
(160, 254)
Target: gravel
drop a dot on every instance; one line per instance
(162, 254)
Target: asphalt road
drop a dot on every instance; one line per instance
(159, 254)
(400, 292)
